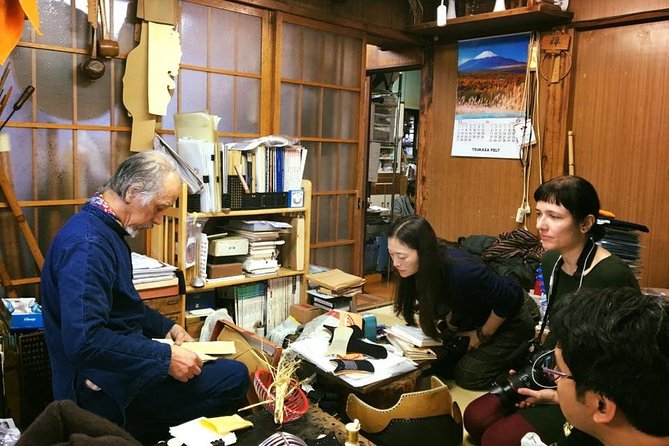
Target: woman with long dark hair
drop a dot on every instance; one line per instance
(567, 209)
(455, 292)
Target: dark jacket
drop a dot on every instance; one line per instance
(96, 326)
(475, 290)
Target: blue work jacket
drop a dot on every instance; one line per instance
(96, 325)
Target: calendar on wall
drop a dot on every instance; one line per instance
(490, 117)
(490, 137)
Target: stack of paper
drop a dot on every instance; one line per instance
(414, 335)
(409, 350)
(334, 289)
(264, 240)
(147, 270)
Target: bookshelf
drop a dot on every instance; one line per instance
(167, 242)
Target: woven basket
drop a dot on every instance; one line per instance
(294, 406)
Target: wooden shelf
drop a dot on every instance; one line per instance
(283, 272)
(526, 18)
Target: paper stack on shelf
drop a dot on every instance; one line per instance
(334, 289)
(622, 239)
(153, 278)
(264, 240)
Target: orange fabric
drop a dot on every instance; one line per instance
(12, 17)
(31, 11)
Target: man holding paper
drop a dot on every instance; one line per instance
(98, 330)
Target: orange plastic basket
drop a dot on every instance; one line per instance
(294, 406)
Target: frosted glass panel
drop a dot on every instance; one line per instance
(345, 207)
(93, 150)
(193, 34)
(348, 159)
(327, 218)
(55, 164)
(249, 35)
(291, 52)
(311, 169)
(54, 75)
(193, 91)
(343, 258)
(352, 63)
(167, 121)
(235, 41)
(56, 22)
(327, 176)
(121, 117)
(332, 113)
(93, 98)
(324, 257)
(313, 55)
(222, 36)
(289, 98)
(350, 118)
(222, 100)
(20, 75)
(310, 111)
(50, 221)
(21, 155)
(123, 24)
(247, 105)
(331, 59)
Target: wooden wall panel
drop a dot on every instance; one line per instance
(461, 196)
(620, 116)
(597, 9)
(378, 59)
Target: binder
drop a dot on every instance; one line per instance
(203, 127)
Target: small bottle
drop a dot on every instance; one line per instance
(352, 430)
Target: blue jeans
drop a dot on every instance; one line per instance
(217, 391)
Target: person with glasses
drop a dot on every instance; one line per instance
(612, 365)
(566, 221)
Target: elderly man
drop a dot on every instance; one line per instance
(98, 331)
(611, 365)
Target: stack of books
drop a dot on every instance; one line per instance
(334, 289)
(264, 239)
(409, 350)
(413, 335)
(622, 239)
(153, 278)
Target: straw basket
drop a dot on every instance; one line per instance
(294, 406)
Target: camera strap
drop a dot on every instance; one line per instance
(584, 261)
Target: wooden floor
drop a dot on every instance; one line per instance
(377, 285)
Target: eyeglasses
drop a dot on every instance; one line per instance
(556, 374)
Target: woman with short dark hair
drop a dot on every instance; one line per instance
(567, 209)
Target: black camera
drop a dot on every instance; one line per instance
(454, 346)
(530, 374)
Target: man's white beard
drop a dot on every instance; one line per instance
(131, 231)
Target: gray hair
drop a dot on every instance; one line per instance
(141, 174)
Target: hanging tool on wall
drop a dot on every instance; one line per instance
(8, 191)
(556, 52)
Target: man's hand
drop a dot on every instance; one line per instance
(534, 397)
(184, 364)
(178, 335)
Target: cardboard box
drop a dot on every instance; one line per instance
(194, 325)
(304, 312)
